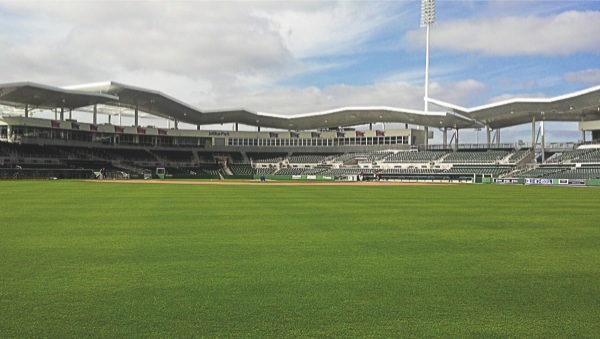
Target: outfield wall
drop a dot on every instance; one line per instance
(294, 177)
(546, 181)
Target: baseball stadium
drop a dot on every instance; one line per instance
(344, 223)
(323, 145)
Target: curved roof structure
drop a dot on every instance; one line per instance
(579, 106)
(47, 97)
(162, 105)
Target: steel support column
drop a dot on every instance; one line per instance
(445, 137)
(533, 136)
(543, 146)
(456, 139)
(498, 137)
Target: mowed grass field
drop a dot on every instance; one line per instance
(81, 259)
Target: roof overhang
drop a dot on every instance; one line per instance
(162, 105)
(578, 106)
(36, 96)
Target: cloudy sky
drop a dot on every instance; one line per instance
(289, 57)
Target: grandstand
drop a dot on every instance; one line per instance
(324, 143)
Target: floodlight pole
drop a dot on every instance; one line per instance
(427, 18)
(427, 71)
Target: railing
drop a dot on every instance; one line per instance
(434, 147)
(551, 146)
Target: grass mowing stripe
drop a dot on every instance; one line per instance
(86, 259)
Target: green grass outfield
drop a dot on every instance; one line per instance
(81, 259)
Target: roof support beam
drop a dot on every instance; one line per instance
(533, 136)
(95, 114)
(498, 138)
(456, 139)
(543, 146)
(445, 141)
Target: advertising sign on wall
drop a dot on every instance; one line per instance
(506, 181)
(571, 181)
(538, 181)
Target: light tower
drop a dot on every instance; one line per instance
(427, 18)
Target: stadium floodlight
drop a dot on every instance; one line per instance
(427, 18)
(427, 12)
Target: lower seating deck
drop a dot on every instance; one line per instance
(581, 164)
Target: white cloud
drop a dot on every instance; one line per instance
(336, 28)
(562, 34)
(210, 40)
(462, 92)
(312, 99)
(234, 46)
(508, 96)
(588, 77)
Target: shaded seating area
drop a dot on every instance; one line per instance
(290, 171)
(242, 169)
(371, 156)
(310, 158)
(569, 156)
(475, 157)
(591, 157)
(518, 155)
(544, 171)
(266, 157)
(265, 170)
(210, 170)
(126, 154)
(584, 172)
(479, 170)
(175, 155)
(415, 157)
(28, 150)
